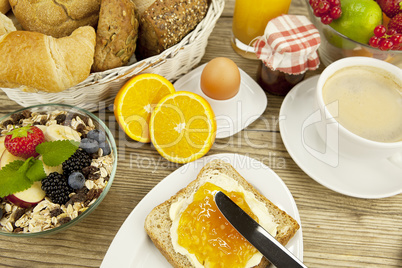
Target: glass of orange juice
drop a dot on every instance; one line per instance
(250, 18)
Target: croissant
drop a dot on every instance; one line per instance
(36, 62)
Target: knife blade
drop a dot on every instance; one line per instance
(263, 241)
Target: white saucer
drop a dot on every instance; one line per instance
(234, 114)
(355, 177)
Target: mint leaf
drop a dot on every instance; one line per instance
(36, 172)
(25, 166)
(56, 152)
(13, 178)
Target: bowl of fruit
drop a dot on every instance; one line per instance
(57, 164)
(358, 28)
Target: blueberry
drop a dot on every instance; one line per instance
(105, 148)
(89, 145)
(97, 135)
(76, 180)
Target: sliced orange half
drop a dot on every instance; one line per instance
(182, 127)
(135, 101)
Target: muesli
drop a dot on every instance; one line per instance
(75, 163)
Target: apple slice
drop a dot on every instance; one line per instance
(2, 146)
(49, 169)
(29, 197)
(7, 157)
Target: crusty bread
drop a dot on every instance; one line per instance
(34, 61)
(116, 35)
(142, 5)
(158, 223)
(166, 22)
(6, 24)
(55, 18)
(4, 6)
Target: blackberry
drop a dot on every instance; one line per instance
(56, 187)
(76, 162)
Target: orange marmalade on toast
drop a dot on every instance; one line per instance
(202, 233)
(205, 232)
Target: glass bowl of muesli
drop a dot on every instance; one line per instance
(57, 163)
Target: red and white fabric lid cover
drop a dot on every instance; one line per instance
(289, 44)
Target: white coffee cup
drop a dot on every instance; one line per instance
(340, 139)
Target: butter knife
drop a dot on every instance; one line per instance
(263, 241)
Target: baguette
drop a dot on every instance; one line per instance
(37, 62)
(158, 222)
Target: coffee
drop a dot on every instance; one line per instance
(368, 102)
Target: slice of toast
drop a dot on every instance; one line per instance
(158, 223)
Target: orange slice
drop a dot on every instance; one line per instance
(135, 101)
(182, 127)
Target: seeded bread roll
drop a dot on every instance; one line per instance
(116, 35)
(142, 5)
(34, 61)
(166, 22)
(158, 222)
(57, 18)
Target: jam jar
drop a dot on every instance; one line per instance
(277, 82)
(287, 50)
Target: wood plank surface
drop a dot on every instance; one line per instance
(338, 230)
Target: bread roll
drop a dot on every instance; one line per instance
(116, 35)
(6, 24)
(142, 5)
(34, 61)
(4, 6)
(166, 22)
(55, 18)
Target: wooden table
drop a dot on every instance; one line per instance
(338, 230)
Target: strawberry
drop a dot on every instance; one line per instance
(390, 7)
(396, 23)
(22, 141)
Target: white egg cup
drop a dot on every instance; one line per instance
(234, 114)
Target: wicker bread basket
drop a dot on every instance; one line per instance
(99, 89)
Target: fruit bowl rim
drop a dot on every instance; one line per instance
(367, 46)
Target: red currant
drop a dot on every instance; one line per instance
(334, 3)
(396, 39)
(374, 41)
(315, 4)
(335, 12)
(379, 30)
(323, 7)
(385, 44)
(391, 32)
(326, 19)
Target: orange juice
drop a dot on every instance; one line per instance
(250, 17)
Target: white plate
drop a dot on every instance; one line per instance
(234, 114)
(131, 247)
(350, 176)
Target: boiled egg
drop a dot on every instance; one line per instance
(220, 79)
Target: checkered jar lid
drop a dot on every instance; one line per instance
(289, 44)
